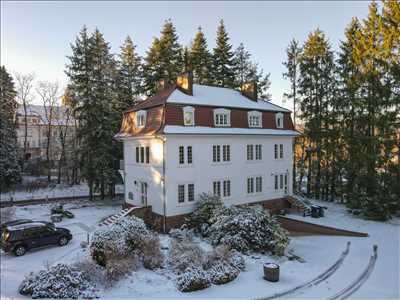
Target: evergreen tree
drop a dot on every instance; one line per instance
(164, 59)
(223, 73)
(247, 71)
(130, 75)
(316, 88)
(293, 53)
(10, 172)
(200, 59)
(92, 75)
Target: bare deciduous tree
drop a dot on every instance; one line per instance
(24, 85)
(49, 94)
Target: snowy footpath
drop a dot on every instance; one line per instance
(319, 253)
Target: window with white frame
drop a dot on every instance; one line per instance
(278, 151)
(188, 116)
(186, 193)
(227, 188)
(259, 152)
(217, 188)
(254, 152)
(141, 118)
(281, 151)
(255, 119)
(190, 192)
(281, 182)
(226, 153)
(250, 155)
(222, 117)
(279, 120)
(222, 188)
(142, 155)
(250, 185)
(216, 153)
(189, 155)
(258, 184)
(181, 193)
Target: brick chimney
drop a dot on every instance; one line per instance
(160, 85)
(185, 83)
(249, 89)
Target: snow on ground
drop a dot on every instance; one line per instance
(14, 269)
(57, 191)
(319, 252)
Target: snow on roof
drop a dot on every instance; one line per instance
(59, 114)
(174, 129)
(221, 97)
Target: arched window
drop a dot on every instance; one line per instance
(141, 118)
(188, 116)
(255, 119)
(279, 120)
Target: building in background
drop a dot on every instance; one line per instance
(62, 122)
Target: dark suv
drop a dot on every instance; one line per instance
(21, 237)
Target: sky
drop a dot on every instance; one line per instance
(36, 35)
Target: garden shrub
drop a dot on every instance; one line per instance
(247, 228)
(192, 279)
(182, 234)
(205, 209)
(222, 273)
(184, 255)
(119, 239)
(224, 254)
(153, 258)
(58, 282)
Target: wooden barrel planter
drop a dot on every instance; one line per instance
(271, 272)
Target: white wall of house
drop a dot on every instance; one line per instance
(142, 172)
(202, 172)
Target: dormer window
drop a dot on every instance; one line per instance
(222, 117)
(141, 118)
(279, 120)
(255, 119)
(188, 115)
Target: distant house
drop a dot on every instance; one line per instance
(189, 139)
(38, 120)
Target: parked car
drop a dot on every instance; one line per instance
(19, 238)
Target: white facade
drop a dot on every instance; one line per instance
(160, 178)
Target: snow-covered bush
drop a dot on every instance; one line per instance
(184, 255)
(153, 258)
(246, 228)
(119, 239)
(224, 254)
(192, 279)
(92, 271)
(60, 281)
(118, 267)
(182, 234)
(222, 273)
(205, 209)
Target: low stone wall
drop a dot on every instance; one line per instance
(298, 227)
(156, 221)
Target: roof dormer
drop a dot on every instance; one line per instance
(222, 117)
(141, 118)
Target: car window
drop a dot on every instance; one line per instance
(32, 232)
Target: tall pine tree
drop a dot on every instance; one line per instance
(200, 59)
(316, 88)
(223, 72)
(10, 172)
(130, 75)
(164, 59)
(92, 75)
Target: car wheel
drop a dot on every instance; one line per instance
(63, 241)
(20, 250)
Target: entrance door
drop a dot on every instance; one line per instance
(143, 193)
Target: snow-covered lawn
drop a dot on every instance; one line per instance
(57, 191)
(319, 253)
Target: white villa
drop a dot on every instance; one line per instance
(189, 139)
